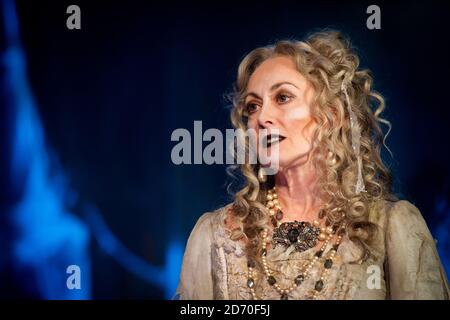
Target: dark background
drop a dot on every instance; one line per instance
(108, 97)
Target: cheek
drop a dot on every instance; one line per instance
(252, 123)
(253, 128)
(300, 113)
(300, 127)
(297, 119)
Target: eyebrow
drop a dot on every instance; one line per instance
(272, 88)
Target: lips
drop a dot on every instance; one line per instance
(272, 139)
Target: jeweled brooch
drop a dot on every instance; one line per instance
(303, 235)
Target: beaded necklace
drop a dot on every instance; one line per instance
(326, 234)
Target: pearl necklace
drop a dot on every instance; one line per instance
(303, 235)
(305, 273)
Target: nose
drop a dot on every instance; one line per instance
(266, 116)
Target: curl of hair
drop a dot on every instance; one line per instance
(326, 59)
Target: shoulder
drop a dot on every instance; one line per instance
(404, 209)
(414, 267)
(211, 220)
(404, 215)
(406, 229)
(400, 221)
(388, 211)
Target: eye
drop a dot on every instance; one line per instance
(251, 108)
(284, 98)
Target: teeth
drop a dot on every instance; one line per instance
(273, 139)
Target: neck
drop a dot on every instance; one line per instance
(295, 190)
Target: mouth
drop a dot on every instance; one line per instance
(272, 139)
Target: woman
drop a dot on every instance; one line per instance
(326, 225)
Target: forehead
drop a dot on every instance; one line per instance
(272, 71)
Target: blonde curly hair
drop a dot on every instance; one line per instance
(326, 59)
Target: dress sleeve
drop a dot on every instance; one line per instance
(414, 268)
(196, 275)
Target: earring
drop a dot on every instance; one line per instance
(261, 175)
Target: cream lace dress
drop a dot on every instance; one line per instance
(404, 257)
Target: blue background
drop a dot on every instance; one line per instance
(87, 115)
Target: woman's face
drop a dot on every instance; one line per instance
(278, 97)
